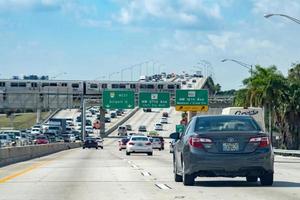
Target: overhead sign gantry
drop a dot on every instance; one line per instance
(191, 100)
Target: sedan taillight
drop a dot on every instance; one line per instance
(263, 141)
(148, 143)
(199, 142)
(131, 143)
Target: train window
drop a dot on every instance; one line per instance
(122, 86)
(45, 84)
(94, 85)
(53, 84)
(115, 86)
(132, 86)
(160, 86)
(14, 84)
(64, 84)
(22, 84)
(75, 85)
(104, 86)
(142, 86)
(33, 84)
(171, 87)
(150, 86)
(2, 84)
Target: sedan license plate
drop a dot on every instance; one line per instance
(140, 144)
(230, 146)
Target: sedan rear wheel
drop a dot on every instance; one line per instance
(127, 153)
(177, 178)
(251, 179)
(188, 180)
(267, 179)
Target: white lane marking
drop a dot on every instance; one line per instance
(146, 173)
(162, 186)
(134, 166)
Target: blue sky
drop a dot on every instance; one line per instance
(93, 38)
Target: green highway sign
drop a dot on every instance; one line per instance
(117, 99)
(154, 100)
(180, 128)
(192, 100)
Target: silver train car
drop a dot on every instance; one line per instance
(81, 87)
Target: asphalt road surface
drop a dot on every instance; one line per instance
(109, 174)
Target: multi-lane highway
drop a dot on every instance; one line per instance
(110, 174)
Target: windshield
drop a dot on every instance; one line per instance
(139, 139)
(3, 137)
(219, 124)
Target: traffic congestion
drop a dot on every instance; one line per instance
(149, 100)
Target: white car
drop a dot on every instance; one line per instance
(164, 120)
(70, 138)
(35, 131)
(139, 144)
(89, 129)
(100, 142)
(156, 143)
(4, 140)
(89, 115)
(122, 130)
(158, 127)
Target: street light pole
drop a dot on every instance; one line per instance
(205, 65)
(245, 65)
(122, 71)
(57, 75)
(250, 67)
(100, 77)
(111, 74)
(282, 15)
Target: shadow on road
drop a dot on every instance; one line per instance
(243, 184)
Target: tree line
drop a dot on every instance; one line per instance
(279, 95)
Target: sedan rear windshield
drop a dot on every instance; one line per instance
(139, 139)
(219, 124)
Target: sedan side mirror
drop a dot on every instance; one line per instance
(175, 136)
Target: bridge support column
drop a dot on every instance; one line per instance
(102, 121)
(83, 109)
(38, 115)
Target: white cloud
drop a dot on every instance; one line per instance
(185, 12)
(38, 5)
(222, 40)
(125, 17)
(223, 43)
(94, 23)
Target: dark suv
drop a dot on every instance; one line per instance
(90, 143)
(223, 145)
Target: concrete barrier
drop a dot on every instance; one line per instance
(284, 152)
(12, 155)
(17, 154)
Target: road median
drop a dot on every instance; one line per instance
(12, 155)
